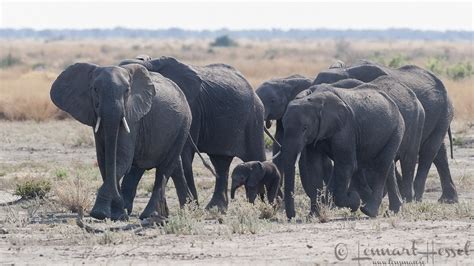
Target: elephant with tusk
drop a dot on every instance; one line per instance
(141, 120)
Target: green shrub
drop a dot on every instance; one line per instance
(223, 41)
(434, 65)
(33, 189)
(397, 61)
(9, 61)
(459, 71)
(268, 143)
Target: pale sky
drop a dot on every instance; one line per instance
(237, 15)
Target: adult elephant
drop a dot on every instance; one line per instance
(439, 112)
(227, 121)
(360, 130)
(413, 115)
(275, 95)
(141, 119)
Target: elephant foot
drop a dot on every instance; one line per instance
(118, 213)
(448, 199)
(407, 198)
(100, 213)
(128, 205)
(102, 207)
(218, 201)
(352, 200)
(395, 207)
(155, 218)
(418, 197)
(370, 209)
(158, 210)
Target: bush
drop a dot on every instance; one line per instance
(33, 189)
(9, 61)
(397, 61)
(223, 41)
(459, 71)
(74, 194)
(434, 65)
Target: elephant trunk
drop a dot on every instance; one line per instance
(290, 154)
(108, 192)
(111, 129)
(237, 181)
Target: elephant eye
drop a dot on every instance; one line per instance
(305, 127)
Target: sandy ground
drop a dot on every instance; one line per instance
(43, 232)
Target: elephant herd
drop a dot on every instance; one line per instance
(347, 129)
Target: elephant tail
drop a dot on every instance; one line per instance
(450, 142)
(206, 164)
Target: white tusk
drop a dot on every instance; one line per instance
(298, 158)
(125, 125)
(276, 155)
(97, 125)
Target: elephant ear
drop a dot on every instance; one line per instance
(332, 117)
(72, 93)
(142, 91)
(257, 172)
(366, 72)
(183, 75)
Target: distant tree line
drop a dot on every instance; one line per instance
(388, 34)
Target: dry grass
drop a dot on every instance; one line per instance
(74, 194)
(24, 90)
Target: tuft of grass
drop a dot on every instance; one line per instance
(60, 173)
(243, 218)
(31, 189)
(187, 221)
(436, 211)
(74, 194)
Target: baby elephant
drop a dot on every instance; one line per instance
(256, 177)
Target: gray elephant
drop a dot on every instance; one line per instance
(413, 116)
(227, 121)
(439, 112)
(359, 130)
(257, 177)
(275, 95)
(140, 119)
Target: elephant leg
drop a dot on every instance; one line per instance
(379, 171)
(408, 165)
(219, 199)
(428, 151)
(394, 197)
(377, 177)
(278, 160)
(311, 173)
(261, 192)
(359, 184)
(343, 172)
(129, 187)
(157, 206)
(118, 208)
(184, 195)
(450, 194)
(187, 157)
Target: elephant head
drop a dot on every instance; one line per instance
(250, 175)
(112, 100)
(275, 95)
